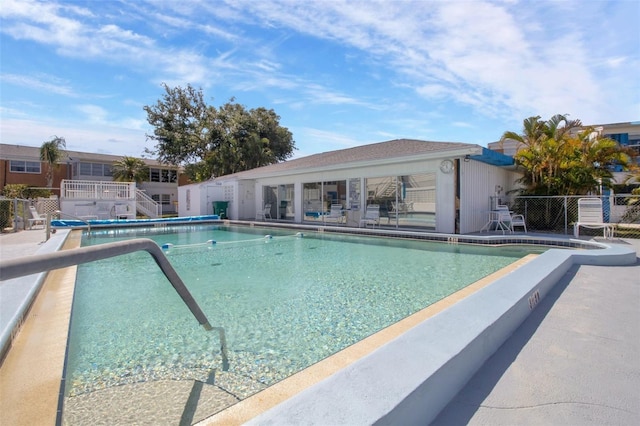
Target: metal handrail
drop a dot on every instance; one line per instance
(61, 213)
(19, 267)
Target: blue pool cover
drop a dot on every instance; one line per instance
(62, 223)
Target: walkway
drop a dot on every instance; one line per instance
(575, 360)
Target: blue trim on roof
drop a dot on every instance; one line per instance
(494, 158)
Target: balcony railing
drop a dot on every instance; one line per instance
(97, 190)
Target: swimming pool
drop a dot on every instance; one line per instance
(285, 302)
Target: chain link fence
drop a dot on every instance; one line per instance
(558, 214)
(15, 213)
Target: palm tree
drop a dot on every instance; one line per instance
(51, 152)
(557, 160)
(130, 169)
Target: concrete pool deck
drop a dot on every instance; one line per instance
(574, 360)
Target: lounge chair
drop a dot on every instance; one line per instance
(36, 218)
(336, 214)
(590, 216)
(371, 216)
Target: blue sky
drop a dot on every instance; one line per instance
(338, 73)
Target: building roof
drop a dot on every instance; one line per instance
(32, 153)
(372, 153)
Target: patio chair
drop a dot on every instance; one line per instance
(371, 216)
(264, 213)
(335, 213)
(36, 218)
(508, 221)
(590, 216)
(518, 220)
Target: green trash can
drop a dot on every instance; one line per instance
(220, 208)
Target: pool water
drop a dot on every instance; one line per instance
(285, 301)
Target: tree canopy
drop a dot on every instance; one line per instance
(210, 141)
(560, 157)
(130, 169)
(51, 152)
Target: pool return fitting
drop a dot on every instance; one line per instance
(23, 266)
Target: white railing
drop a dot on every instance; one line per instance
(97, 190)
(146, 205)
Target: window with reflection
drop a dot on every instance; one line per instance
(318, 197)
(405, 201)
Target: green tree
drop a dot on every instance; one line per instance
(51, 152)
(558, 157)
(130, 169)
(214, 142)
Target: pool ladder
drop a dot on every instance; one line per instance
(27, 265)
(60, 214)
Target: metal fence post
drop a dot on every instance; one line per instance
(15, 215)
(566, 216)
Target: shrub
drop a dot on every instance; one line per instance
(5, 213)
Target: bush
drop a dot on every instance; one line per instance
(18, 190)
(5, 213)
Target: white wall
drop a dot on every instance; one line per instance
(478, 183)
(159, 188)
(190, 207)
(445, 202)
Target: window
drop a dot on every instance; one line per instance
(164, 199)
(85, 169)
(169, 176)
(95, 169)
(163, 175)
(408, 201)
(18, 166)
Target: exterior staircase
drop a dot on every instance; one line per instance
(146, 205)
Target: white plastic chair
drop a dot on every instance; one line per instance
(371, 216)
(518, 220)
(336, 213)
(264, 213)
(590, 216)
(503, 222)
(36, 218)
(508, 221)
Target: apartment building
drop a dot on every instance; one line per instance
(21, 164)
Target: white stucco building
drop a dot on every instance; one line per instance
(436, 186)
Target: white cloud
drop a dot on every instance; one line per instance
(42, 82)
(497, 59)
(93, 113)
(501, 58)
(323, 140)
(79, 137)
